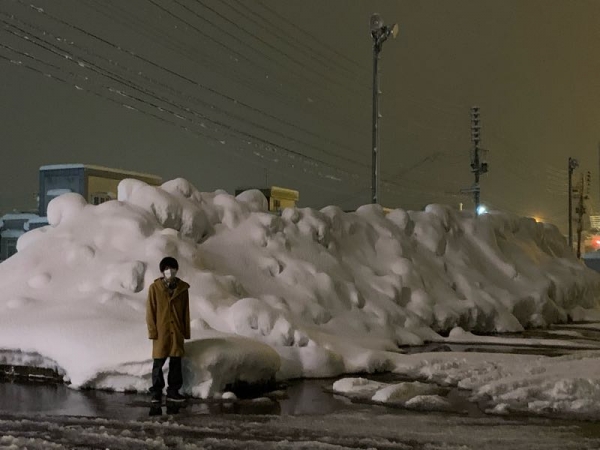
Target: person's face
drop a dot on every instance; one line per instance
(169, 273)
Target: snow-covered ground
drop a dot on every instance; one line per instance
(337, 431)
(567, 385)
(307, 294)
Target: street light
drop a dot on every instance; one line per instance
(379, 33)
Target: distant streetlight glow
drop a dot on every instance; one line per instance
(481, 210)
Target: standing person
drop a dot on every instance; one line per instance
(168, 319)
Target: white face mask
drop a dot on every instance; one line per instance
(170, 273)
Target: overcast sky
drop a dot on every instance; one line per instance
(238, 93)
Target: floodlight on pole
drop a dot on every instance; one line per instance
(380, 33)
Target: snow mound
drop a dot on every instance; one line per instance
(327, 292)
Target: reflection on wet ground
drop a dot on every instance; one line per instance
(301, 397)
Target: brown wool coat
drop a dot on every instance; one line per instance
(168, 318)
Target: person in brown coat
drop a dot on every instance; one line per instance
(168, 319)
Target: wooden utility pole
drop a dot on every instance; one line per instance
(580, 210)
(573, 164)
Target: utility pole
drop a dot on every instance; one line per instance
(573, 164)
(580, 210)
(477, 166)
(379, 33)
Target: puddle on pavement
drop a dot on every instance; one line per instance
(301, 397)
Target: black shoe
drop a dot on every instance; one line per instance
(175, 397)
(157, 397)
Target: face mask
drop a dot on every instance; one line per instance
(170, 273)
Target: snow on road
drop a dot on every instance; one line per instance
(334, 431)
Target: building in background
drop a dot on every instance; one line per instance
(12, 226)
(278, 198)
(95, 183)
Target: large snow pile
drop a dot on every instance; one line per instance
(309, 293)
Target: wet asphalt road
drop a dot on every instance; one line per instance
(304, 416)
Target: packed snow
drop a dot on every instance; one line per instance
(567, 385)
(305, 294)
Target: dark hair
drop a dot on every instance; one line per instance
(169, 262)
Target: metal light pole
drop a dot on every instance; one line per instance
(477, 166)
(573, 164)
(379, 33)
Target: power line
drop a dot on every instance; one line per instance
(321, 44)
(129, 83)
(282, 34)
(198, 133)
(229, 129)
(253, 88)
(308, 68)
(249, 135)
(238, 40)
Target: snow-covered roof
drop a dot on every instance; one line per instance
(101, 169)
(38, 219)
(18, 216)
(62, 166)
(11, 233)
(57, 192)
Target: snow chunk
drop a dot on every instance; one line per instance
(64, 207)
(128, 277)
(429, 403)
(254, 199)
(402, 392)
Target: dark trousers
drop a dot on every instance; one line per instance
(175, 377)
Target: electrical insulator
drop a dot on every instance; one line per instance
(475, 125)
(588, 181)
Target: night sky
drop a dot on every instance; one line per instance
(239, 93)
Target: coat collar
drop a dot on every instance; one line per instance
(182, 286)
